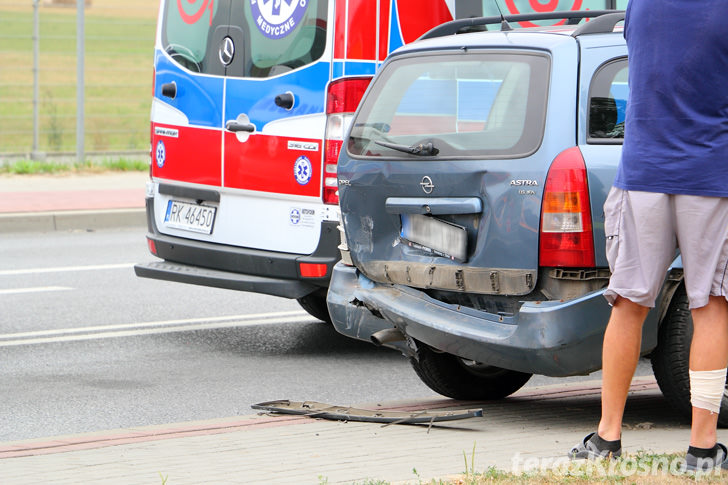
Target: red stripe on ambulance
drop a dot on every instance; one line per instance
(193, 155)
(267, 164)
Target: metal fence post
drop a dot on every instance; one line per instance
(80, 37)
(34, 153)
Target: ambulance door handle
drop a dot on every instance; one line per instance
(235, 126)
(241, 126)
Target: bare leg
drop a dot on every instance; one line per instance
(708, 351)
(620, 354)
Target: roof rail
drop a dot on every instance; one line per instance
(600, 25)
(480, 23)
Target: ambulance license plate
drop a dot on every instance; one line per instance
(190, 217)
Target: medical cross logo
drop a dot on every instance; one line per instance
(277, 18)
(295, 216)
(160, 154)
(302, 170)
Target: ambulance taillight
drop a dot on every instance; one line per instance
(152, 246)
(342, 99)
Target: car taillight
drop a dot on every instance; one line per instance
(342, 99)
(566, 227)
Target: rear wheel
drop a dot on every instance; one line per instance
(670, 360)
(463, 379)
(315, 305)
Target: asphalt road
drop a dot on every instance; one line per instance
(85, 345)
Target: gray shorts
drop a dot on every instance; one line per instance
(644, 231)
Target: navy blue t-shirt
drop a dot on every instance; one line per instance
(676, 129)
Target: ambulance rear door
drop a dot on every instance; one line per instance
(277, 70)
(187, 116)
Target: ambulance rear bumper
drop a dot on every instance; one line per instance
(236, 268)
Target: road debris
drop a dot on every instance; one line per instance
(344, 413)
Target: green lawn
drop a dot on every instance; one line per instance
(118, 76)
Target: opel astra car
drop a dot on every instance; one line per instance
(471, 189)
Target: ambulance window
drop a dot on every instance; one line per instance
(283, 34)
(187, 29)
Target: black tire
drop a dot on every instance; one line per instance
(458, 378)
(315, 304)
(671, 358)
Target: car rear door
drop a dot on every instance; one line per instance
(603, 97)
(446, 161)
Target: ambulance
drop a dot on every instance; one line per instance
(251, 102)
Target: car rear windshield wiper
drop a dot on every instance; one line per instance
(423, 149)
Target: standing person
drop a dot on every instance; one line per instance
(671, 190)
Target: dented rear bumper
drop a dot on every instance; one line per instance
(554, 338)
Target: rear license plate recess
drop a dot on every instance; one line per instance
(433, 235)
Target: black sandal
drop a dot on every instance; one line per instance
(593, 447)
(695, 463)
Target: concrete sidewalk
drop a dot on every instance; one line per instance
(86, 201)
(533, 428)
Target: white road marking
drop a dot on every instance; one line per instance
(150, 328)
(64, 269)
(37, 289)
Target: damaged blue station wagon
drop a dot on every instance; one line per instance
(471, 191)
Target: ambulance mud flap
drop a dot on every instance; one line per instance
(342, 413)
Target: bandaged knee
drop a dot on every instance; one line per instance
(706, 389)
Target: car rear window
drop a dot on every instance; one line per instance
(474, 104)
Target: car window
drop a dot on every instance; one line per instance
(283, 34)
(465, 105)
(608, 102)
(271, 36)
(186, 29)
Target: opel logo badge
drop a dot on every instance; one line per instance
(227, 51)
(427, 184)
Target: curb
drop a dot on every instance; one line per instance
(76, 220)
(104, 439)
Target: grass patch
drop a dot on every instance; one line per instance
(35, 167)
(641, 468)
(118, 76)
